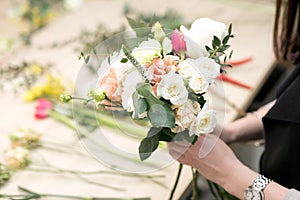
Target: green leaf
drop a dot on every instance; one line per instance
(150, 143)
(158, 117)
(86, 60)
(230, 54)
(141, 28)
(230, 29)
(207, 48)
(216, 41)
(144, 89)
(94, 52)
(166, 135)
(134, 24)
(160, 114)
(124, 60)
(223, 48)
(139, 104)
(225, 39)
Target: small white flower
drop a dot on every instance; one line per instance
(201, 35)
(185, 115)
(207, 67)
(150, 49)
(192, 70)
(172, 88)
(147, 51)
(205, 122)
(198, 84)
(17, 158)
(186, 70)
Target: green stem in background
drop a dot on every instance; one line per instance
(211, 188)
(221, 197)
(195, 186)
(86, 134)
(34, 195)
(176, 181)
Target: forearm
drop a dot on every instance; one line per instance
(247, 128)
(242, 177)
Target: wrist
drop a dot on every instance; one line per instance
(238, 180)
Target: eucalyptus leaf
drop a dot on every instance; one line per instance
(159, 113)
(139, 104)
(150, 143)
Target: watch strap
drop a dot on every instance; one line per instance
(261, 182)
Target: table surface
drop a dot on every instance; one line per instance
(253, 30)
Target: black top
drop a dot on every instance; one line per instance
(281, 159)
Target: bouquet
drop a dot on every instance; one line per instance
(162, 78)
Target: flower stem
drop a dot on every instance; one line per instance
(34, 195)
(176, 181)
(211, 188)
(195, 186)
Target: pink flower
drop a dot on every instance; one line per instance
(42, 108)
(110, 84)
(178, 42)
(159, 67)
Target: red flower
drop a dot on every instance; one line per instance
(178, 42)
(42, 108)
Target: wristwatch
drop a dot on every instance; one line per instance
(255, 191)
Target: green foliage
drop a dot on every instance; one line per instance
(159, 113)
(171, 19)
(219, 48)
(150, 143)
(5, 174)
(139, 104)
(156, 134)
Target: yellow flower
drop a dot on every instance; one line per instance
(53, 87)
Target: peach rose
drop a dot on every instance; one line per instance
(159, 67)
(110, 84)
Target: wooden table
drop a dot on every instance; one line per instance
(253, 30)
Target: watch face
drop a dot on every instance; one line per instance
(252, 194)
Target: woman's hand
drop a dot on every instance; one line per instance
(215, 161)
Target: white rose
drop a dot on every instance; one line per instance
(201, 35)
(206, 66)
(185, 115)
(172, 88)
(186, 70)
(198, 84)
(205, 122)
